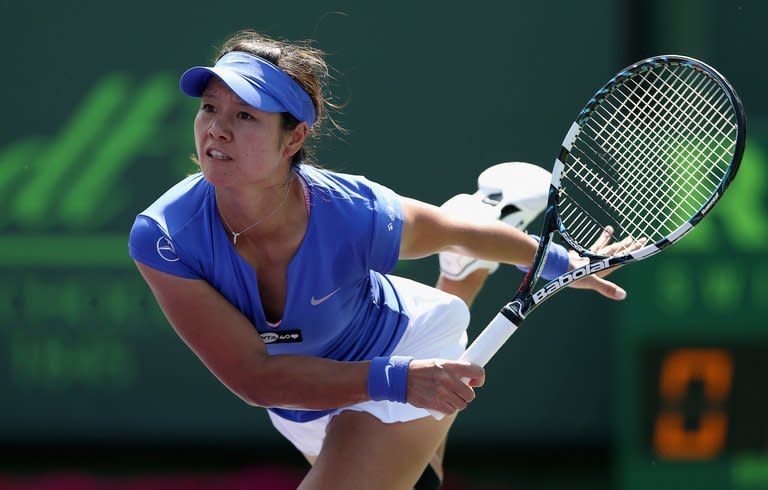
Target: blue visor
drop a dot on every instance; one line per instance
(255, 80)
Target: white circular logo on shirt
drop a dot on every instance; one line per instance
(165, 249)
(269, 337)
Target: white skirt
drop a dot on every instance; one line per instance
(437, 329)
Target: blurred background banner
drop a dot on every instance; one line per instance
(664, 389)
(692, 350)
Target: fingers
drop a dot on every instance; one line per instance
(457, 384)
(449, 399)
(603, 240)
(637, 244)
(626, 245)
(443, 385)
(475, 382)
(603, 245)
(464, 369)
(606, 288)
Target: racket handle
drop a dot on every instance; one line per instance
(485, 346)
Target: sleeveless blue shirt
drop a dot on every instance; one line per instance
(339, 303)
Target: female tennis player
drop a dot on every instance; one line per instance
(276, 274)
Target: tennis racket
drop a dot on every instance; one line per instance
(646, 159)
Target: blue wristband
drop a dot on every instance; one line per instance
(388, 378)
(557, 262)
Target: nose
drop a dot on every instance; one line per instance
(219, 131)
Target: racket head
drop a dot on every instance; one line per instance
(648, 156)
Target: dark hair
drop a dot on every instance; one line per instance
(305, 64)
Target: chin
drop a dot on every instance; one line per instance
(218, 176)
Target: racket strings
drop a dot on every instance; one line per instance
(663, 134)
(633, 146)
(585, 224)
(649, 156)
(675, 116)
(625, 200)
(706, 100)
(621, 201)
(692, 152)
(661, 137)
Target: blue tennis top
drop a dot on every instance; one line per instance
(339, 303)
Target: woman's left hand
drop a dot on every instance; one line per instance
(603, 246)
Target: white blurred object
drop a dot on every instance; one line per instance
(513, 192)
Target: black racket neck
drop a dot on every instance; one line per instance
(517, 309)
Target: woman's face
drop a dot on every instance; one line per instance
(236, 143)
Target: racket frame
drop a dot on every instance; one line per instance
(513, 314)
(525, 300)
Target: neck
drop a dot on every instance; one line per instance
(255, 212)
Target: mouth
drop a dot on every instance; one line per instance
(217, 155)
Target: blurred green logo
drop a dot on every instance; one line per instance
(71, 180)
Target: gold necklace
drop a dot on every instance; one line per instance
(282, 203)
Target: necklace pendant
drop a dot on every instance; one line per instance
(271, 213)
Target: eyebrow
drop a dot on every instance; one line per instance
(216, 93)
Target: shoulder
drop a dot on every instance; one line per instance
(344, 186)
(180, 204)
(362, 210)
(170, 235)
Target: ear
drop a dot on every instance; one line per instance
(296, 139)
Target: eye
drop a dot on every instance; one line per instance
(207, 107)
(244, 115)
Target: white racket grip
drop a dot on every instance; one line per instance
(485, 346)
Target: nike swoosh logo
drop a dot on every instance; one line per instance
(316, 301)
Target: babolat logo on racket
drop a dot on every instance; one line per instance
(282, 337)
(568, 278)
